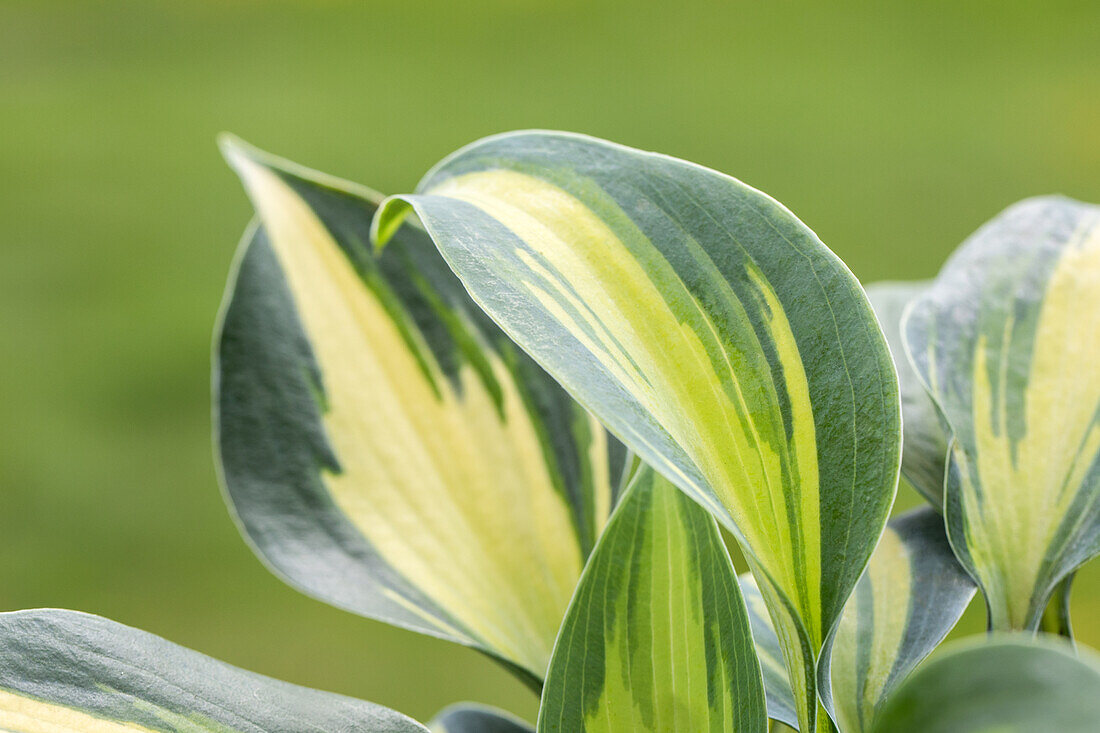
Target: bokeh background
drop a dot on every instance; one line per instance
(892, 129)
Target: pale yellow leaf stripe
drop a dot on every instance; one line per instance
(1029, 483)
(657, 638)
(455, 497)
(19, 714)
(858, 684)
(674, 378)
(629, 325)
(677, 633)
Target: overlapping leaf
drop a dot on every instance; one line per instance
(708, 328)
(657, 637)
(924, 451)
(384, 446)
(1006, 341)
(67, 671)
(911, 596)
(924, 445)
(470, 718)
(1004, 685)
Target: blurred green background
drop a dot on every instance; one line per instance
(892, 129)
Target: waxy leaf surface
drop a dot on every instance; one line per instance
(777, 684)
(1014, 684)
(708, 328)
(912, 595)
(384, 445)
(63, 671)
(1006, 340)
(657, 637)
(924, 444)
(471, 718)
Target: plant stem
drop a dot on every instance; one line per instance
(1055, 618)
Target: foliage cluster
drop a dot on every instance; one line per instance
(523, 419)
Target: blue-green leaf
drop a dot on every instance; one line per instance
(471, 718)
(924, 445)
(384, 446)
(1012, 684)
(912, 595)
(657, 637)
(1006, 341)
(709, 329)
(64, 671)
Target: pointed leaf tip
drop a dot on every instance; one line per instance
(347, 383)
(391, 214)
(684, 309)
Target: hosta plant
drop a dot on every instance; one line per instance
(524, 408)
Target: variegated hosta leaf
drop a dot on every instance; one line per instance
(471, 718)
(708, 328)
(386, 448)
(924, 444)
(64, 671)
(1012, 684)
(1006, 340)
(657, 637)
(911, 596)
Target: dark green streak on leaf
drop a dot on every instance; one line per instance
(657, 606)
